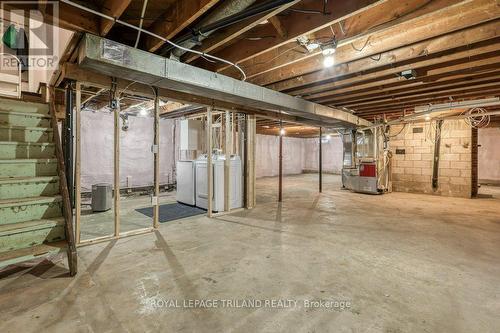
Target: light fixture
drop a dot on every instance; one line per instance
(427, 117)
(328, 49)
(328, 137)
(143, 112)
(328, 61)
(282, 131)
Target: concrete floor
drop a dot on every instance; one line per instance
(403, 262)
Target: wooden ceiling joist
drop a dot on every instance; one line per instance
(224, 37)
(351, 30)
(319, 81)
(113, 8)
(296, 24)
(438, 23)
(175, 19)
(458, 63)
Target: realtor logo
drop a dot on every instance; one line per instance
(30, 34)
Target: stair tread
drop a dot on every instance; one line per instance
(31, 224)
(22, 143)
(34, 251)
(10, 180)
(29, 160)
(28, 114)
(32, 128)
(29, 200)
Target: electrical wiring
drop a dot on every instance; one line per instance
(476, 118)
(116, 20)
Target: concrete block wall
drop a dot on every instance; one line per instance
(412, 171)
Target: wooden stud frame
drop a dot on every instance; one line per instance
(210, 183)
(227, 162)
(78, 160)
(116, 156)
(156, 152)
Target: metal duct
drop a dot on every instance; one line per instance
(118, 60)
(225, 9)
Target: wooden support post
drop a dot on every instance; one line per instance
(116, 159)
(78, 160)
(227, 163)
(210, 182)
(280, 181)
(320, 162)
(156, 152)
(250, 161)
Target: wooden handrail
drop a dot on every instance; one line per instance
(63, 186)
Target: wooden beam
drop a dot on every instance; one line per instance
(250, 133)
(116, 164)
(436, 69)
(320, 160)
(227, 162)
(75, 19)
(405, 91)
(441, 22)
(156, 152)
(486, 87)
(280, 166)
(278, 26)
(113, 8)
(210, 181)
(350, 30)
(175, 19)
(218, 39)
(410, 104)
(424, 53)
(78, 161)
(296, 24)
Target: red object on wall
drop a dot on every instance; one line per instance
(367, 170)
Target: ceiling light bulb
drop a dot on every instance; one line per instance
(282, 131)
(427, 118)
(328, 61)
(328, 51)
(328, 136)
(143, 112)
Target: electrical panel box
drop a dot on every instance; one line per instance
(190, 133)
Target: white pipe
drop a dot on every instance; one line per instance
(140, 22)
(114, 19)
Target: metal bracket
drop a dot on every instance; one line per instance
(155, 149)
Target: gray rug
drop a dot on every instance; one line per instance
(173, 211)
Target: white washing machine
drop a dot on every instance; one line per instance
(201, 187)
(186, 183)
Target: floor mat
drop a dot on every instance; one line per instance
(173, 211)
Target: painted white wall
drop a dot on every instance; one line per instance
(136, 159)
(489, 154)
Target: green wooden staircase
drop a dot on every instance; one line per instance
(35, 213)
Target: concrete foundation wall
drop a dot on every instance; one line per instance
(489, 155)
(267, 156)
(412, 171)
(136, 159)
(299, 155)
(332, 155)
